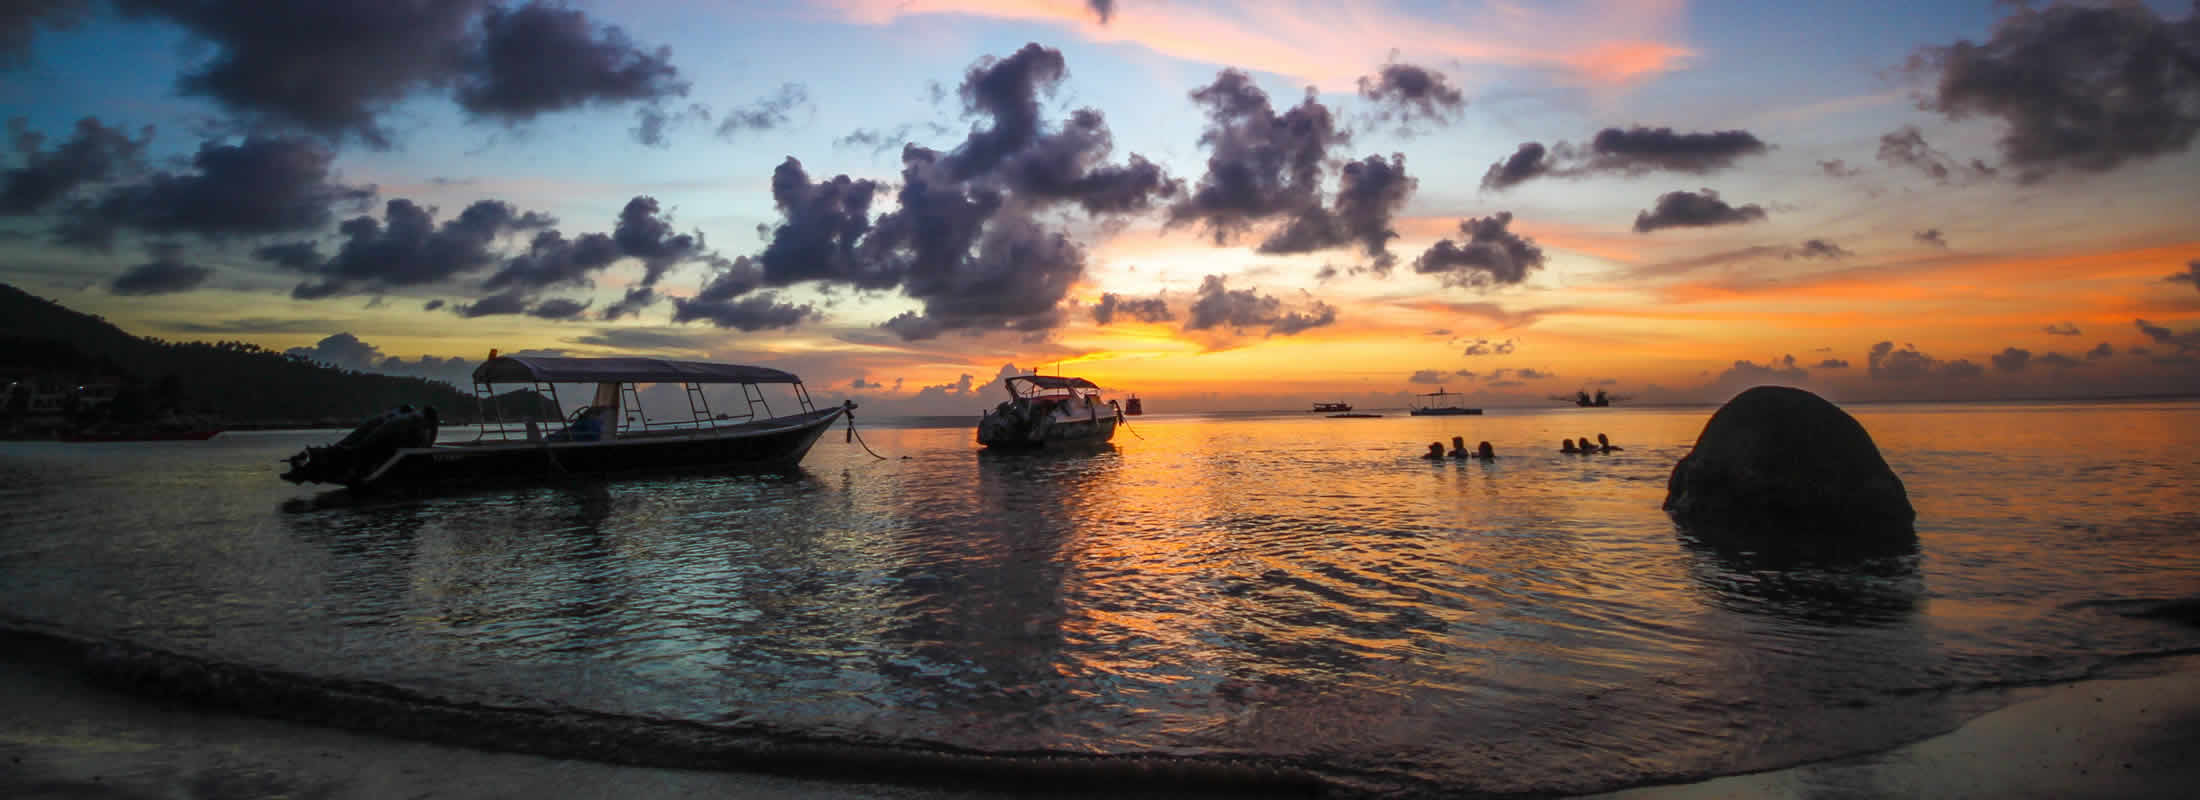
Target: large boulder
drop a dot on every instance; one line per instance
(1777, 460)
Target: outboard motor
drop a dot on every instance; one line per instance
(356, 455)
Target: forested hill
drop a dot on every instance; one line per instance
(242, 383)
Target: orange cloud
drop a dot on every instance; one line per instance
(1593, 42)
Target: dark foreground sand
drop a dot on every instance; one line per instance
(61, 737)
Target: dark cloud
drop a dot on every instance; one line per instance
(2186, 342)
(1777, 370)
(1931, 237)
(1906, 147)
(762, 311)
(1015, 281)
(1369, 193)
(652, 122)
(824, 223)
(1430, 377)
(858, 383)
(959, 388)
(1533, 374)
(644, 233)
(94, 153)
(345, 351)
(1833, 363)
(2100, 351)
(645, 339)
(340, 350)
(2078, 87)
(259, 186)
(1218, 306)
(1626, 151)
(21, 19)
(328, 67)
(1104, 9)
(1907, 364)
(875, 140)
(2012, 359)
(1404, 93)
(2062, 329)
(502, 303)
(1689, 209)
(407, 248)
(1485, 347)
(2060, 361)
(1149, 309)
(1260, 164)
(1838, 168)
(559, 309)
(637, 298)
(1819, 249)
(1065, 165)
(1530, 161)
(552, 260)
(541, 58)
(1490, 256)
(766, 113)
(1006, 91)
(2190, 276)
(165, 274)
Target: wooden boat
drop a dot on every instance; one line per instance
(1046, 410)
(1324, 408)
(608, 436)
(1441, 403)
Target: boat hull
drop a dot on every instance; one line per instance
(1001, 432)
(758, 446)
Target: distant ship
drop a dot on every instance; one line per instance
(1332, 407)
(1132, 408)
(1582, 399)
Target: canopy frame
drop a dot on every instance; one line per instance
(619, 379)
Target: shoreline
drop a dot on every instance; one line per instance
(68, 734)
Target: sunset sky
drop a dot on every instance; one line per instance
(1211, 204)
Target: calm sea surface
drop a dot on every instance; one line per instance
(1283, 588)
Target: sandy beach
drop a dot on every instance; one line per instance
(65, 737)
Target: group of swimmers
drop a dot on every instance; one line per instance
(1481, 452)
(1484, 452)
(1603, 445)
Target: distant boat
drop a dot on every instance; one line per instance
(1048, 409)
(1441, 403)
(1132, 408)
(1354, 416)
(1582, 399)
(1328, 407)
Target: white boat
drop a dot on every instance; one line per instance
(609, 435)
(1441, 403)
(1048, 409)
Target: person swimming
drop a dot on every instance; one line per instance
(1435, 451)
(1605, 445)
(1459, 447)
(1587, 449)
(1484, 452)
(1567, 446)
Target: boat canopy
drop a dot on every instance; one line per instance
(1036, 385)
(548, 369)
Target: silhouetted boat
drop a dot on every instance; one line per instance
(1326, 407)
(1441, 403)
(1132, 408)
(608, 436)
(1354, 416)
(1582, 399)
(1048, 409)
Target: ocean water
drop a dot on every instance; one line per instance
(1276, 589)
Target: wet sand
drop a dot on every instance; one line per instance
(62, 737)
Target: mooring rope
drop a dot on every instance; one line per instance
(857, 437)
